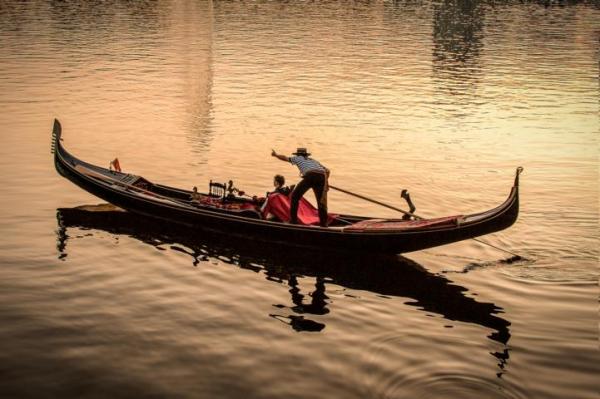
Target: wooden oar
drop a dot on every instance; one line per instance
(514, 258)
(375, 201)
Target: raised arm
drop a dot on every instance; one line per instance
(279, 156)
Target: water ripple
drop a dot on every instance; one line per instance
(444, 98)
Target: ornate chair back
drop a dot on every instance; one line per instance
(217, 189)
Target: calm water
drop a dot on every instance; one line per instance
(444, 98)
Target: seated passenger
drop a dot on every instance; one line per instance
(277, 208)
(277, 205)
(278, 183)
(280, 188)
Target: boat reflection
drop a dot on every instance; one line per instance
(393, 276)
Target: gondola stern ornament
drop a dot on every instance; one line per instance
(517, 173)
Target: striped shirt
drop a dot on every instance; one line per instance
(306, 164)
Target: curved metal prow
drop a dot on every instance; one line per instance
(56, 133)
(519, 171)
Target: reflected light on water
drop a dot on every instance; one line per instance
(443, 98)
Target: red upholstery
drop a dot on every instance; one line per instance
(279, 205)
(401, 225)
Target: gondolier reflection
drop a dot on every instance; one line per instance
(314, 175)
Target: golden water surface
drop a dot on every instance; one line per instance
(443, 98)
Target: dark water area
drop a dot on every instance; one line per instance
(443, 98)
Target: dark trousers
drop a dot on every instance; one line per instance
(316, 181)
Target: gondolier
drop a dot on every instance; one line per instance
(314, 175)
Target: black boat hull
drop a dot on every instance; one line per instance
(392, 242)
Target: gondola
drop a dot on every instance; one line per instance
(222, 211)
